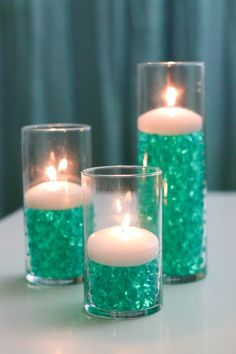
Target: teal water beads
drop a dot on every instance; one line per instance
(54, 241)
(122, 289)
(182, 160)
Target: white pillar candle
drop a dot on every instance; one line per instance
(121, 246)
(54, 195)
(170, 120)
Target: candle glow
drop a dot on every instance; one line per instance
(171, 96)
(51, 173)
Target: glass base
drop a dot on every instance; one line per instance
(32, 279)
(176, 279)
(116, 315)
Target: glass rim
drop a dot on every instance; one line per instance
(56, 127)
(171, 63)
(92, 171)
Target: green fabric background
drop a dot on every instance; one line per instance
(75, 61)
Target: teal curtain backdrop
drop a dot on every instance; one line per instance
(75, 61)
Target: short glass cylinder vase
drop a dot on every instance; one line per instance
(171, 136)
(123, 265)
(53, 157)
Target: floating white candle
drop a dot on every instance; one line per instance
(54, 195)
(170, 120)
(122, 246)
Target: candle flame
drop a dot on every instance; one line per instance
(171, 96)
(51, 173)
(63, 164)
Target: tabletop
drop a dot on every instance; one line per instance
(196, 318)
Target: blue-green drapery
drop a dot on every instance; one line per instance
(75, 61)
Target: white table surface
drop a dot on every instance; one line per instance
(196, 318)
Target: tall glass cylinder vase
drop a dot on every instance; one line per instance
(171, 136)
(53, 157)
(122, 230)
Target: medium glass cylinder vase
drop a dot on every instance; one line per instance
(123, 274)
(171, 136)
(53, 157)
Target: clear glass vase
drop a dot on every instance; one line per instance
(171, 136)
(53, 157)
(122, 230)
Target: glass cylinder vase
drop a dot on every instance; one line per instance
(171, 136)
(123, 274)
(53, 157)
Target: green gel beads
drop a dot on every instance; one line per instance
(54, 243)
(182, 160)
(122, 288)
